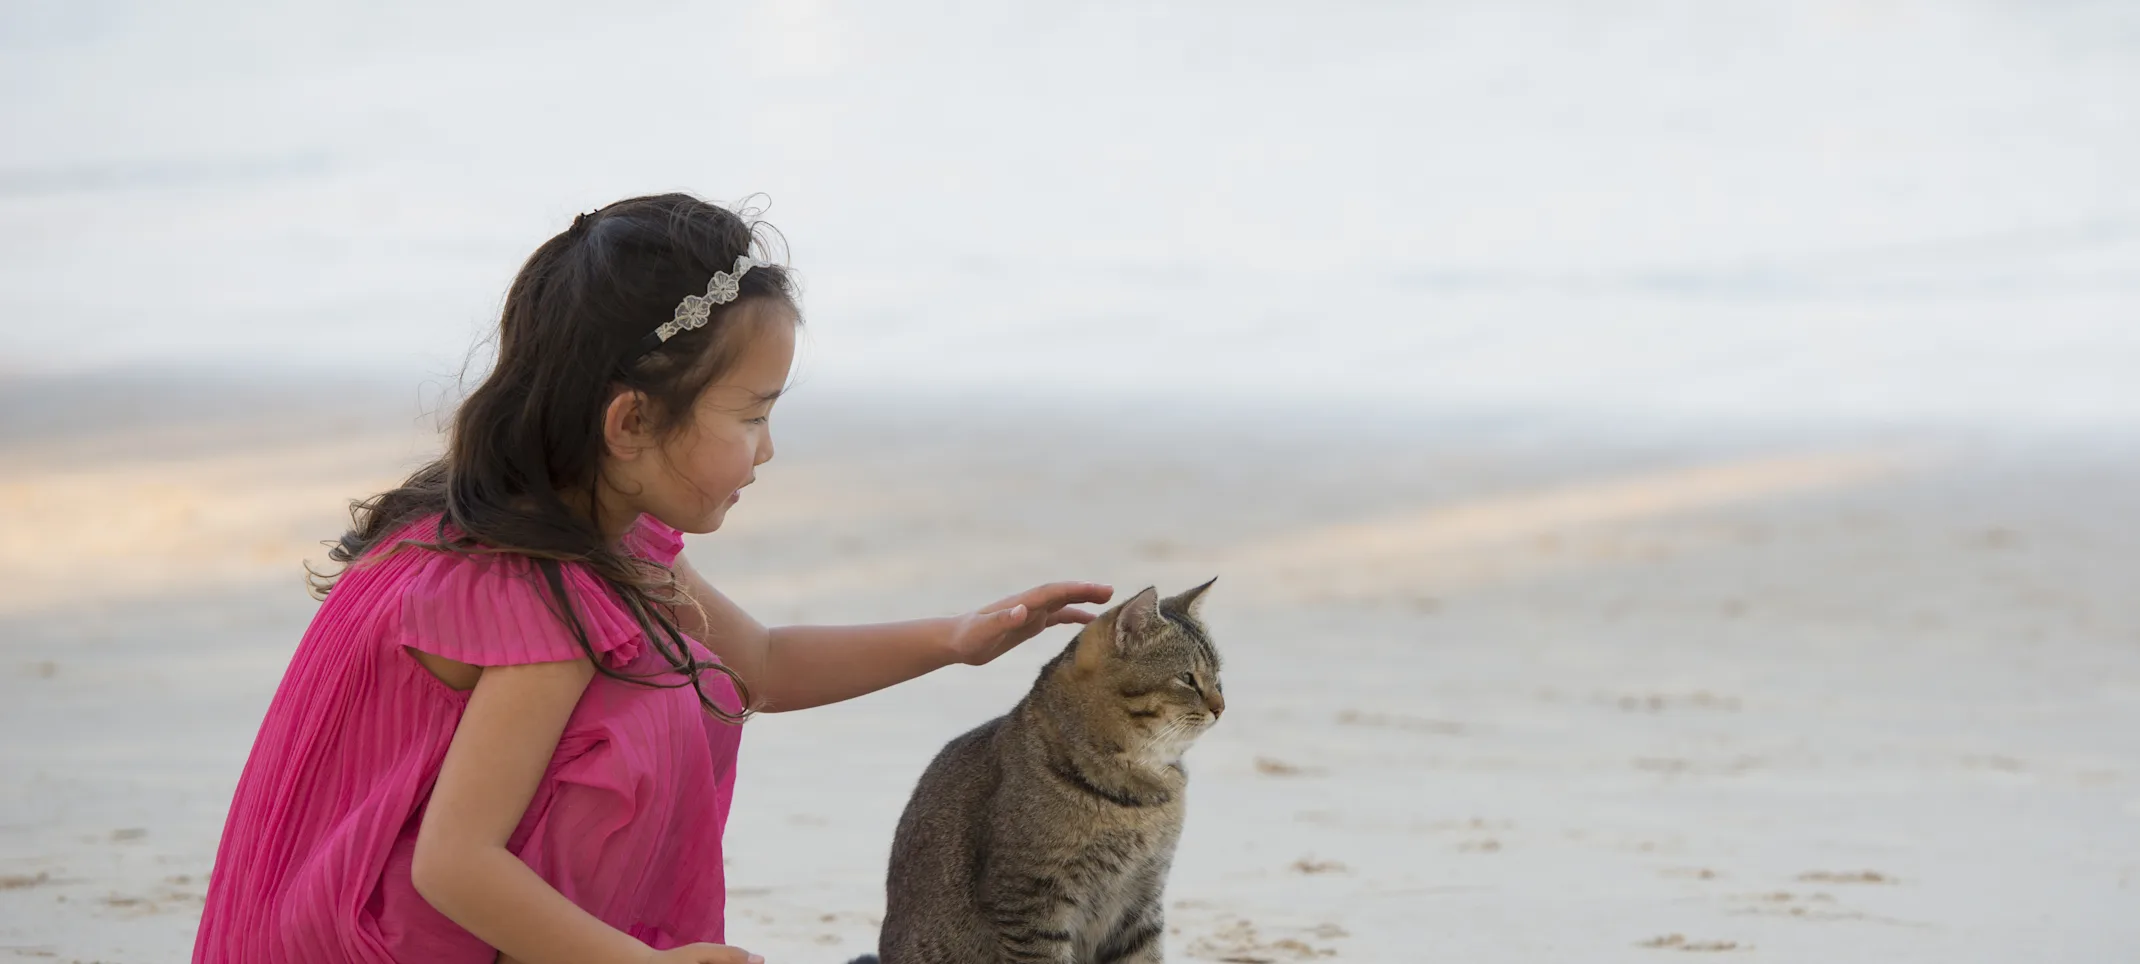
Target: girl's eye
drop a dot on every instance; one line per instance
(760, 420)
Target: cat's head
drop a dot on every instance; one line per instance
(1147, 672)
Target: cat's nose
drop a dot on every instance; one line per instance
(1216, 703)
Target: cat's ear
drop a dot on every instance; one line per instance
(1190, 602)
(1119, 629)
(1138, 619)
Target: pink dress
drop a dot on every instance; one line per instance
(314, 863)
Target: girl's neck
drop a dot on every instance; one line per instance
(610, 517)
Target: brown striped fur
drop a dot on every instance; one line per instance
(1046, 834)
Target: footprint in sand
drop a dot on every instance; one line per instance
(1271, 767)
(1783, 903)
(1847, 877)
(132, 907)
(1816, 906)
(1237, 942)
(1697, 873)
(21, 881)
(1679, 942)
(1660, 702)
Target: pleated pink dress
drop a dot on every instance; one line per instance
(314, 862)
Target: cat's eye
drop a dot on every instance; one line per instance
(1189, 680)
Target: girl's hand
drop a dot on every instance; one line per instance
(704, 954)
(994, 629)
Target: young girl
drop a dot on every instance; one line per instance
(510, 732)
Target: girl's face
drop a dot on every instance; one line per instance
(691, 478)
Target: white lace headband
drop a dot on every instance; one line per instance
(695, 310)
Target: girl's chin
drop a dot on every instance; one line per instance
(703, 523)
(711, 516)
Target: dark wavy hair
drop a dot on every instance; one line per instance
(524, 455)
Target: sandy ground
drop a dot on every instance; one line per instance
(1501, 690)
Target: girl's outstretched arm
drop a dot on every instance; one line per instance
(797, 667)
(499, 752)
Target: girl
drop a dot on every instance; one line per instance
(510, 732)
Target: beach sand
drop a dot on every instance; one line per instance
(1499, 691)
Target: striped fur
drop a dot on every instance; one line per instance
(1044, 836)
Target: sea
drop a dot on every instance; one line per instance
(1818, 211)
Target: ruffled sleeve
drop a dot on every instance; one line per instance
(496, 610)
(653, 540)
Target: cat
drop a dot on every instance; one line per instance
(1046, 834)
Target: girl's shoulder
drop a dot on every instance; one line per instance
(502, 609)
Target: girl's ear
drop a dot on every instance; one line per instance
(627, 425)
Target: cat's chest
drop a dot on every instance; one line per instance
(1123, 869)
(1107, 908)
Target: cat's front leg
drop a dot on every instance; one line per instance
(1031, 914)
(1140, 936)
(1142, 941)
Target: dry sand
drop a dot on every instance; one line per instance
(1501, 691)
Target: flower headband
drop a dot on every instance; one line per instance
(694, 310)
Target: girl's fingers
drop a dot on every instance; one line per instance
(1054, 595)
(1071, 616)
(1058, 594)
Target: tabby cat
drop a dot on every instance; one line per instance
(1045, 835)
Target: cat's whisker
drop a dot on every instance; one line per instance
(1162, 746)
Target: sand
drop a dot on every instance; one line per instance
(1500, 689)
